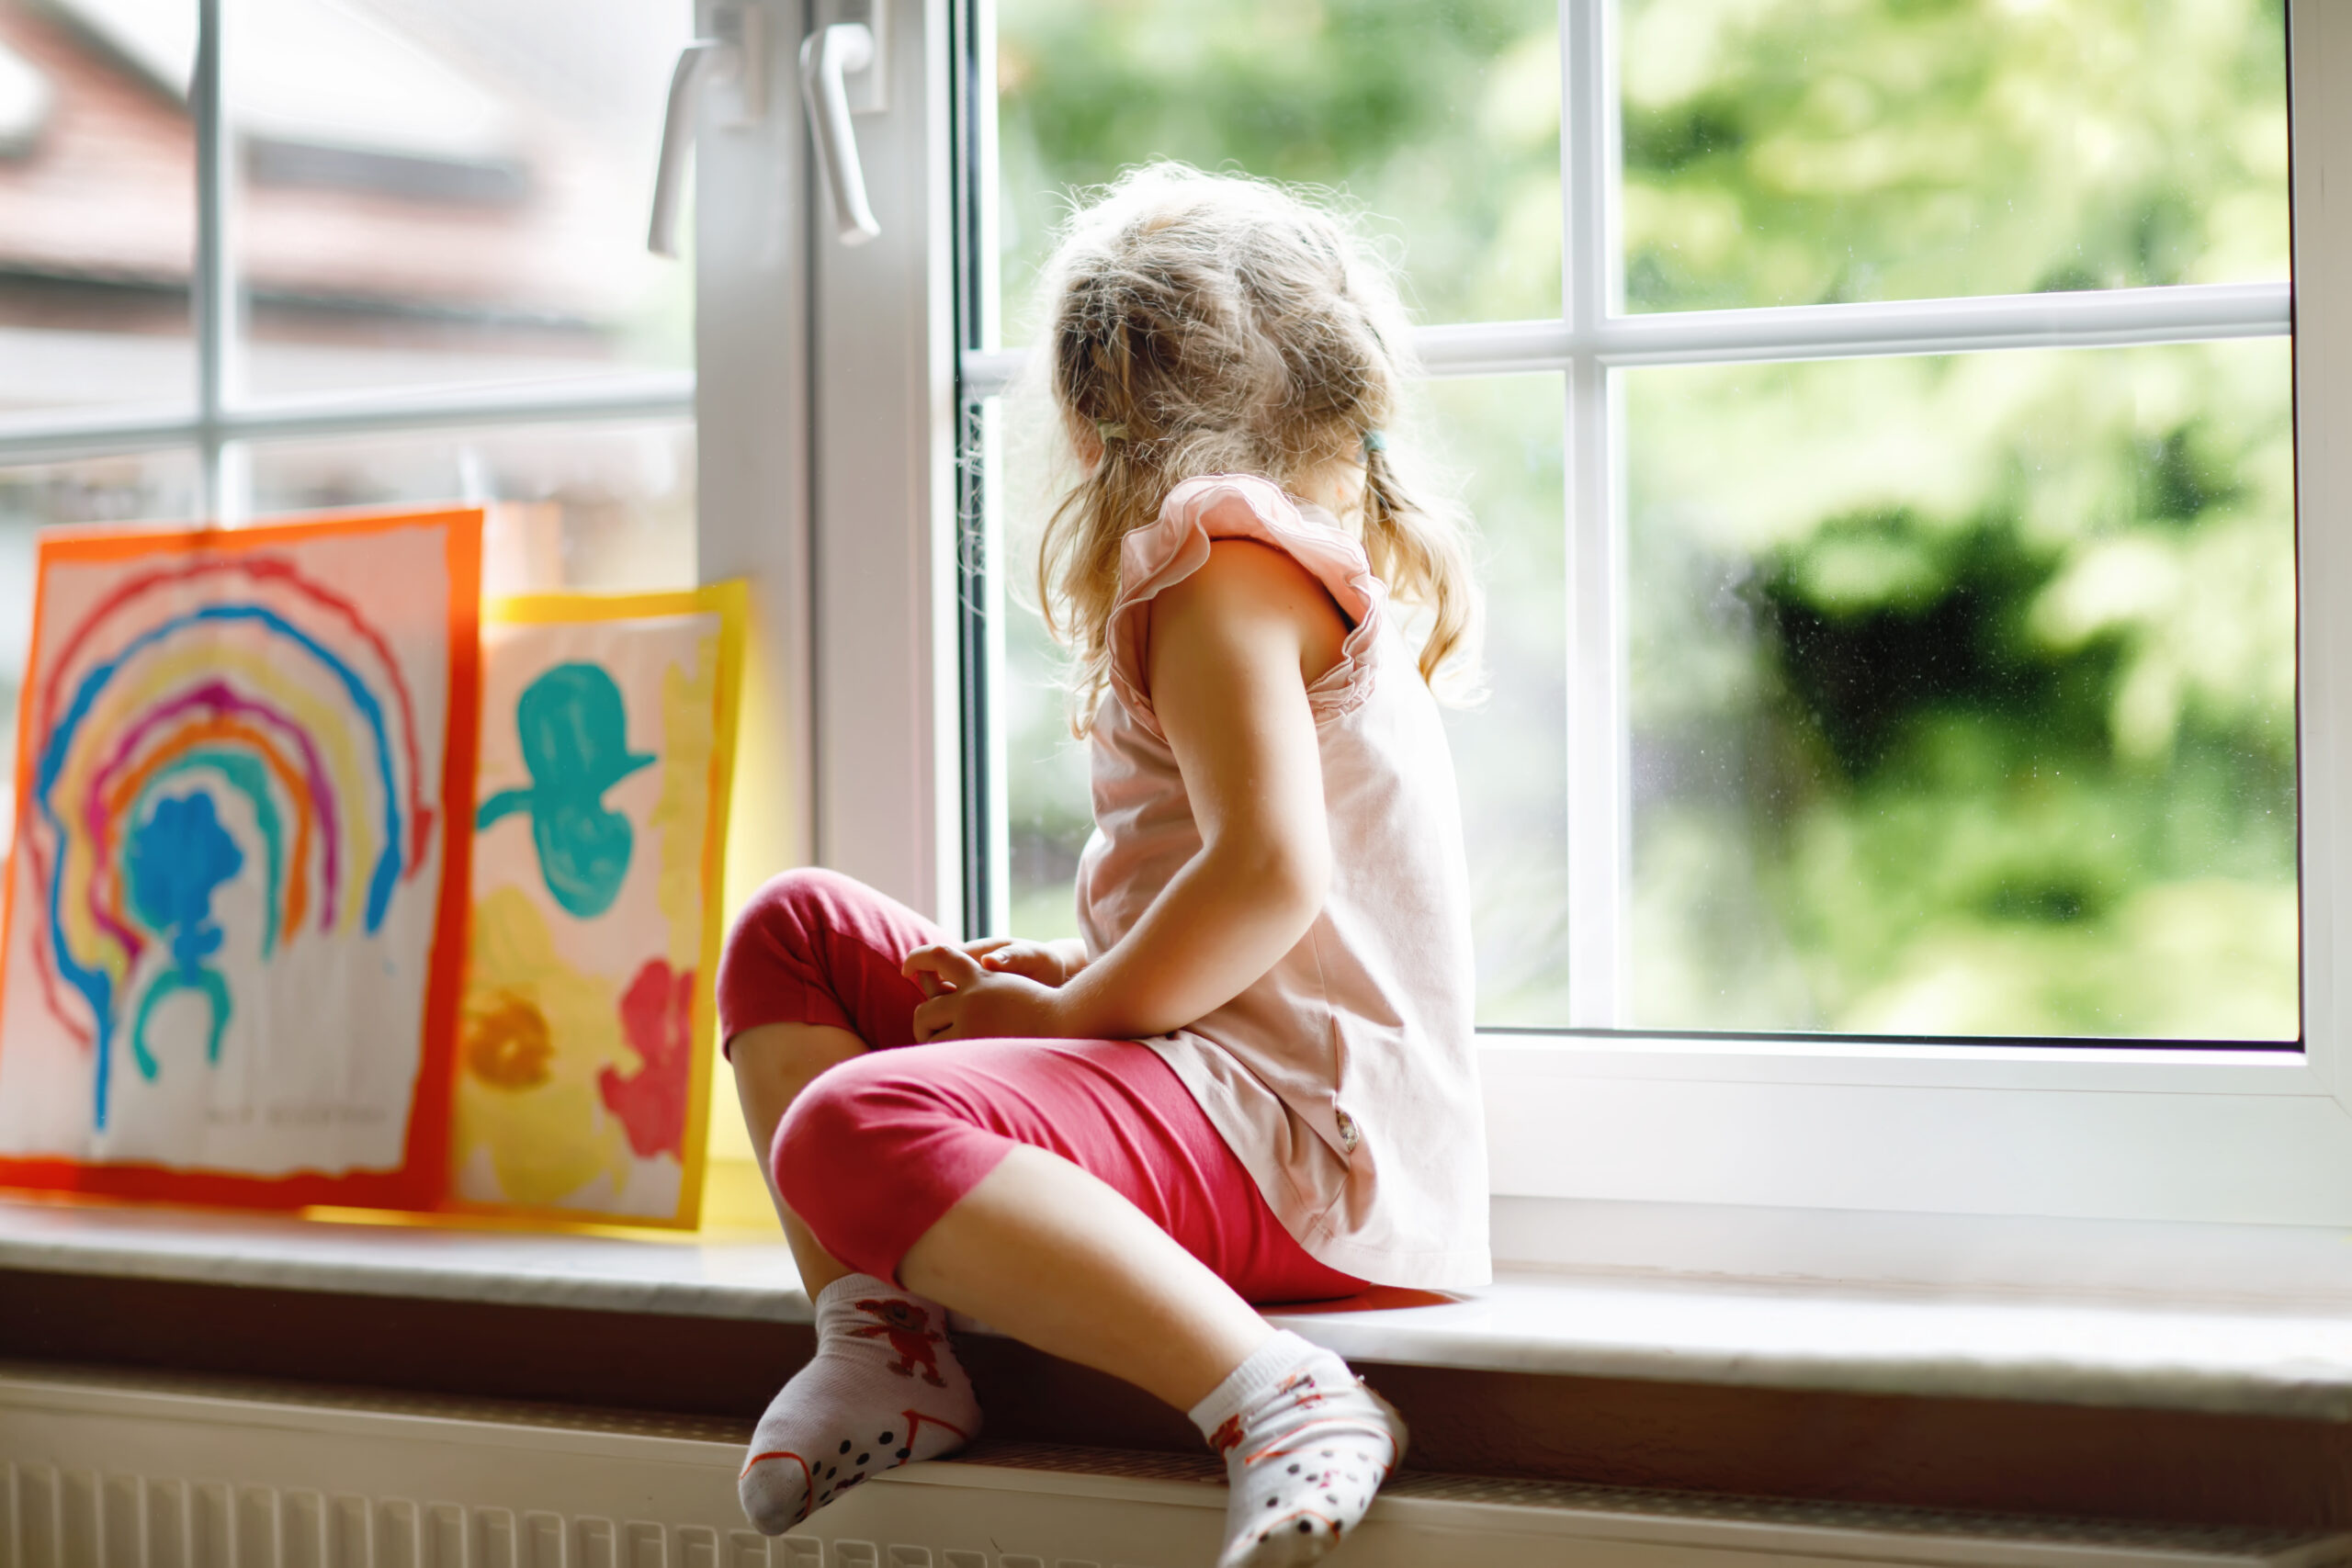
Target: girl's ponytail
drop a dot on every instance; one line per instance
(1422, 563)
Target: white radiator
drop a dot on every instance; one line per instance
(100, 1471)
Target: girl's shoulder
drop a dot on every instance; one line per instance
(1176, 544)
(1245, 506)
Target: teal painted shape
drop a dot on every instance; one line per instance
(215, 990)
(573, 729)
(179, 859)
(249, 779)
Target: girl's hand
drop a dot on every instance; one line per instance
(1048, 962)
(971, 1002)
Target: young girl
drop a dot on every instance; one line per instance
(1252, 1082)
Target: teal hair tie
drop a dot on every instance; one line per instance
(1374, 441)
(1110, 432)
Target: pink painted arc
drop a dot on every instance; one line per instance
(274, 570)
(215, 696)
(266, 570)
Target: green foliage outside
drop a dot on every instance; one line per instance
(1959, 690)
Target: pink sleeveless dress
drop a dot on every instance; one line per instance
(1345, 1080)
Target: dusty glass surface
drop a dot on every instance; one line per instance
(590, 506)
(1961, 695)
(98, 217)
(1795, 153)
(1502, 436)
(451, 192)
(1442, 117)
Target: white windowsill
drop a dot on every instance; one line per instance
(2232, 1350)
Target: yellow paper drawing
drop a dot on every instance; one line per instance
(584, 1060)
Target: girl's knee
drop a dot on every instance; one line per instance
(828, 1141)
(773, 950)
(787, 910)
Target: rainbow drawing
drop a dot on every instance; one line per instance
(231, 682)
(234, 919)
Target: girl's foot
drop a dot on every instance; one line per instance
(1305, 1446)
(884, 1388)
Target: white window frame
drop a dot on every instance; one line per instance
(827, 402)
(2150, 1133)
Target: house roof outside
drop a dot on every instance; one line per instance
(431, 190)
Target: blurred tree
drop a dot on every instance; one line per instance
(1389, 103)
(1805, 152)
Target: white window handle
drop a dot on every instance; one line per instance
(827, 57)
(734, 55)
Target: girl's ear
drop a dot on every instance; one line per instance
(1085, 439)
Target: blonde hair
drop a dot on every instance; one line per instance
(1214, 324)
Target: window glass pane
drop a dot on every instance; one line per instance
(451, 191)
(580, 506)
(1510, 748)
(1441, 115)
(97, 213)
(1789, 152)
(1963, 692)
(1503, 434)
(145, 487)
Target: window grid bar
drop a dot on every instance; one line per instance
(1599, 806)
(2116, 318)
(662, 395)
(211, 296)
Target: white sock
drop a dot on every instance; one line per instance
(884, 1387)
(1305, 1446)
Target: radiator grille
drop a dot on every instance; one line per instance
(107, 1472)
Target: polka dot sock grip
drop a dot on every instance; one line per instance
(884, 1388)
(1305, 1446)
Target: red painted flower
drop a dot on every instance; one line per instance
(658, 1015)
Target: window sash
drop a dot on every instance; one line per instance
(2127, 1130)
(1596, 338)
(862, 663)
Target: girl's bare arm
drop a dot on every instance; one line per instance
(1233, 648)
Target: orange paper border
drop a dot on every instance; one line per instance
(423, 1174)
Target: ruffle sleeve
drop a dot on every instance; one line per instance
(1176, 545)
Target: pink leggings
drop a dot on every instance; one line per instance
(876, 1149)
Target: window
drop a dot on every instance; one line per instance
(1932, 695)
(262, 256)
(2004, 323)
(1911, 779)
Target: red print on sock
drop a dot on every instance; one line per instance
(658, 1014)
(1303, 1385)
(908, 1329)
(1227, 1434)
